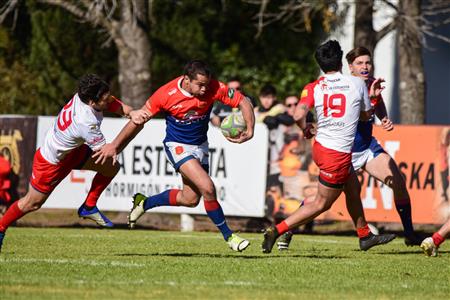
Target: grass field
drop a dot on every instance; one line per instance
(57, 263)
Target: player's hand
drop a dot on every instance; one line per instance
(387, 124)
(107, 151)
(243, 137)
(309, 131)
(376, 88)
(139, 116)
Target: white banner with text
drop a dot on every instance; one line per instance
(238, 171)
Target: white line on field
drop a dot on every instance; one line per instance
(73, 261)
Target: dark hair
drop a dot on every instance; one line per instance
(329, 56)
(356, 52)
(92, 87)
(268, 90)
(234, 78)
(195, 67)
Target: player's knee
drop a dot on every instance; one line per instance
(192, 202)
(398, 184)
(322, 204)
(30, 203)
(209, 191)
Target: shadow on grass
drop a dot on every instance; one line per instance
(235, 256)
(415, 251)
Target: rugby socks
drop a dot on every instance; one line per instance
(437, 239)
(363, 231)
(166, 198)
(215, 213)
(282, 227)
(404, 210)
(12, 214)
(99, 184)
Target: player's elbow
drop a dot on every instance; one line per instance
(366, 115)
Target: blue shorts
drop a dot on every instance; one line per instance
(360, 159)
(178, 154)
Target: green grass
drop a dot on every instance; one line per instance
(55, 263)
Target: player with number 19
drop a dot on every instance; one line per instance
(68, 146)
(340, 101)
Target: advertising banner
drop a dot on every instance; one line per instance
(238, 171)
(17, 145)
(422, 155)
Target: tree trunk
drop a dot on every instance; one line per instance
(134, 53)
(411, 71)
(364, 34)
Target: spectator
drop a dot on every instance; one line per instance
(272, 113)
(295, 156)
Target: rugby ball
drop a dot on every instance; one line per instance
(233, 125)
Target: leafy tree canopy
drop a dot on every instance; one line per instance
(46, 49)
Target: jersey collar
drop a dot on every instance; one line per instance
(183, 91)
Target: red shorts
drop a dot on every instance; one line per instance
(46, 176)
(335, 167)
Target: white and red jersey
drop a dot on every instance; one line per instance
(338, 100)
(77, 124)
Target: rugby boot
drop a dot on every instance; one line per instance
(95, 215)
(270, 236)
(138, 209)
(373, 240)
(237, 243)
(428, 247)
(413, 239)
(284, 241)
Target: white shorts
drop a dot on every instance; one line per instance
(178, 154)
(360, 159)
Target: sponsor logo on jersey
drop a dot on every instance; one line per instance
(304, 93)
(326, 174)
(177, 106)
(93, 127)
(323, 86)
(97, 140)
(230, 93)
(339, 87)
(191, 117)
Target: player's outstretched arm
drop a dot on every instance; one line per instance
(128, 132)
(139, 116)
(248, 114)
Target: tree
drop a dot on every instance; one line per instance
(412, 26)
(220, 32)
(411, 22)
(127, 26)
